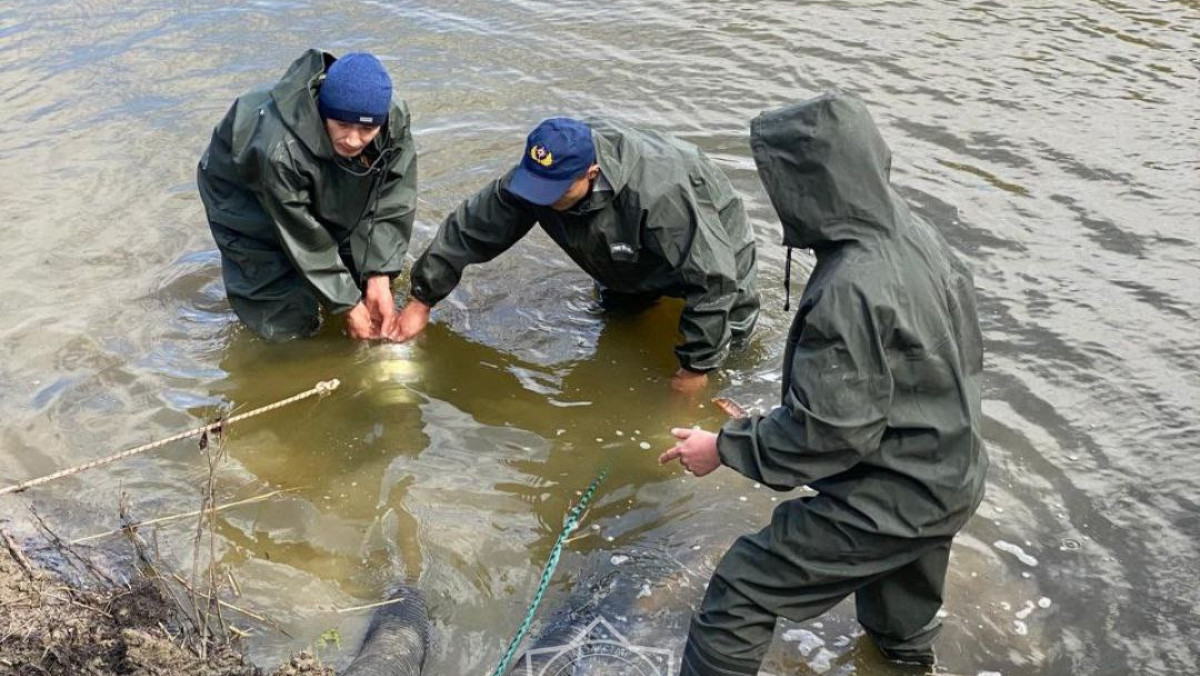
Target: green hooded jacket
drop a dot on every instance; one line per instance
(882, 369)
(271, 174)
(671, 225)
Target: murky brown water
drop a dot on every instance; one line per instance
(1056, 143)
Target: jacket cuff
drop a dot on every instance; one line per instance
(423, 294)
(341, 308)
(732, 440)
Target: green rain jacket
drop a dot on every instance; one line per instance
(882, 369)
(672, 225)
(270, 173)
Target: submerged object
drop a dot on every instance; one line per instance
(398, 638)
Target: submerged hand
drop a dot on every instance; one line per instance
(687, 382)
(410, 322)
(696, 451)
(358, 323)
(380, 302)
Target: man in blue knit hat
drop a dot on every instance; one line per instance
(310, 190)
(645, 215)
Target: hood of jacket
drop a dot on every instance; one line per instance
(826, 169)
(295, 97)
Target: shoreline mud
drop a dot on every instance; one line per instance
(52, 626)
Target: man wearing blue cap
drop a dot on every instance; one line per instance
(645, 215)
(310, 190)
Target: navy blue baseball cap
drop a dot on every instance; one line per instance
(557, 152)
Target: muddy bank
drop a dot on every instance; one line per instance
(51, 627)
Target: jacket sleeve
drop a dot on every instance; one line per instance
(285, 196)
(835, 409)
(383, 240)
(480, 229)
(707, 271)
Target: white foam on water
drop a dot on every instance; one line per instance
(618, 559)
(1016, 551)
(645, 445)
(1020, 628)
(806, 641)
(1024, 612)
(823, 660)
(1044, 602)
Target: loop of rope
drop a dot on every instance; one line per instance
(322, 388)
(571, 523)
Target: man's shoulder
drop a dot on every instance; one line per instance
(258, 127)
(650, 144)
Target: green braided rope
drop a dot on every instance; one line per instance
(569, 526)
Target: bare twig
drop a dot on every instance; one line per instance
(68, 551)
(214, 579)
(15, 550)
(355, 609)
(225, 604)
(150, 572)
(186, 515)
(233, 584)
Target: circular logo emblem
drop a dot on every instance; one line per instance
(541, 155)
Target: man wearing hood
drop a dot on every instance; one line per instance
(880, 412)
(643, 214)
(310, 190)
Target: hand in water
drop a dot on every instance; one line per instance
(688, 382)
(358, 323)
(380, 302)
(409, 323)
(696, 451)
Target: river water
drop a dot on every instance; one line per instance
(1055, 143)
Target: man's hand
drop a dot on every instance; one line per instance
(687, 382)
(696, 451)
(380, 303)
(358, 323)
(410, 322)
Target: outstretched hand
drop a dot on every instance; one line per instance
(696, 451)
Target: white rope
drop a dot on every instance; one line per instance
(322, 388)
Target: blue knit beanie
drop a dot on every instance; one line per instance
(357, 89)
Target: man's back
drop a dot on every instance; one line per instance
(881, 382)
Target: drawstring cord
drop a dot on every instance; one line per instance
(376, 170)
(787, 281)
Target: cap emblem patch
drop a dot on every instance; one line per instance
(542, 156)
